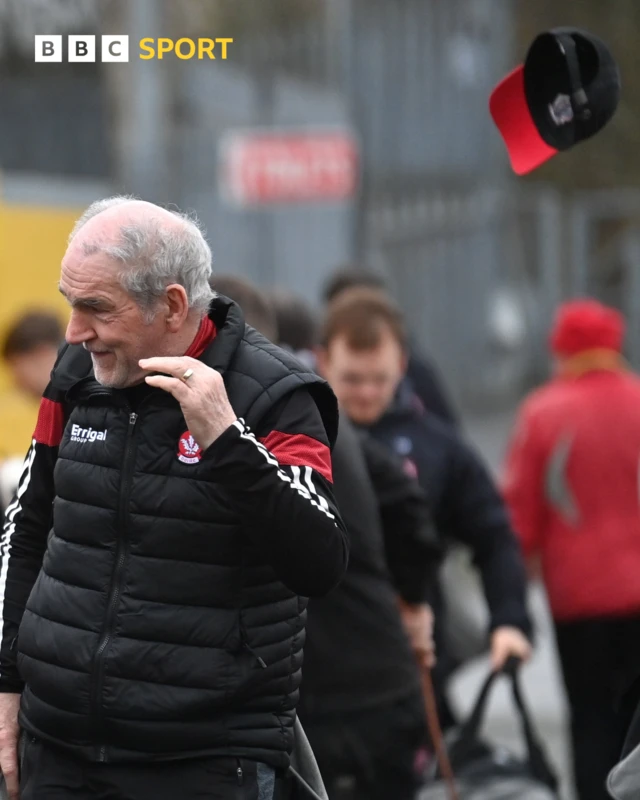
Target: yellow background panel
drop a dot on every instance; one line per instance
(32, 242)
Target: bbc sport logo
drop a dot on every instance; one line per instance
(50, 48)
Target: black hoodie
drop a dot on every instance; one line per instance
(357, 655)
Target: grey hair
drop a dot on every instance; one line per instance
(154, 256)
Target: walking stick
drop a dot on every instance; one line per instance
(435, 731)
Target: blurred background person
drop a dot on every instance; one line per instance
(258, 311)
(363, 355)
(421, 376)
(571, 482)
(422, 387)
(361, 703)
(30, 349)
(29, 352)
(298, 325)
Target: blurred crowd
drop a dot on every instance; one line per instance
(411, 488)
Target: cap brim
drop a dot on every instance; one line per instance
(508, 106)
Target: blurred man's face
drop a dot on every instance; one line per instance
(364, 381)
(31, 370)
(106, 320)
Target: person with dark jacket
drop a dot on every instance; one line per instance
(174, 514)
(363, 356)
(361, 700)
(421, 374)
(361, 703)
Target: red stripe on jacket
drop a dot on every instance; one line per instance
(50, 424)
(300, 450)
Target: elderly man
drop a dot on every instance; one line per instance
(174, 513)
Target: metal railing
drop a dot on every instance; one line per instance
(478, 263)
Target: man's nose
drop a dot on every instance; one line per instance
(78, 331)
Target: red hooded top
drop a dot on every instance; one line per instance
(572, 484)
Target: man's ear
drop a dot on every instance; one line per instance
(177, 307)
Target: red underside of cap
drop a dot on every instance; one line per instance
(508, 106)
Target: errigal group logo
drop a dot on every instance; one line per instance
(53, 48)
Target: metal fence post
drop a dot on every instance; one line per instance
(265, 223)
(550, 212)
(580, 248)
(140, 105)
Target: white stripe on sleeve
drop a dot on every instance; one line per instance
(9, 527)
(310, 494)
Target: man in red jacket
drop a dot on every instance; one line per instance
(573, 487)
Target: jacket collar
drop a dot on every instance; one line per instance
(228, 318)
(406, 401)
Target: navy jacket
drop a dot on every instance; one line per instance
(464, 502)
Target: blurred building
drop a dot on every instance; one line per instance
(477, 259)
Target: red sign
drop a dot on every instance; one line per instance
(263, 168)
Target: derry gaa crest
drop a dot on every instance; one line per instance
(189, 451)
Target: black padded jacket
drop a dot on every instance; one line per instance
(153, 596)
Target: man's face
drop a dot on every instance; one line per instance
(31, 370)
(364, 381)
(106, 320)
